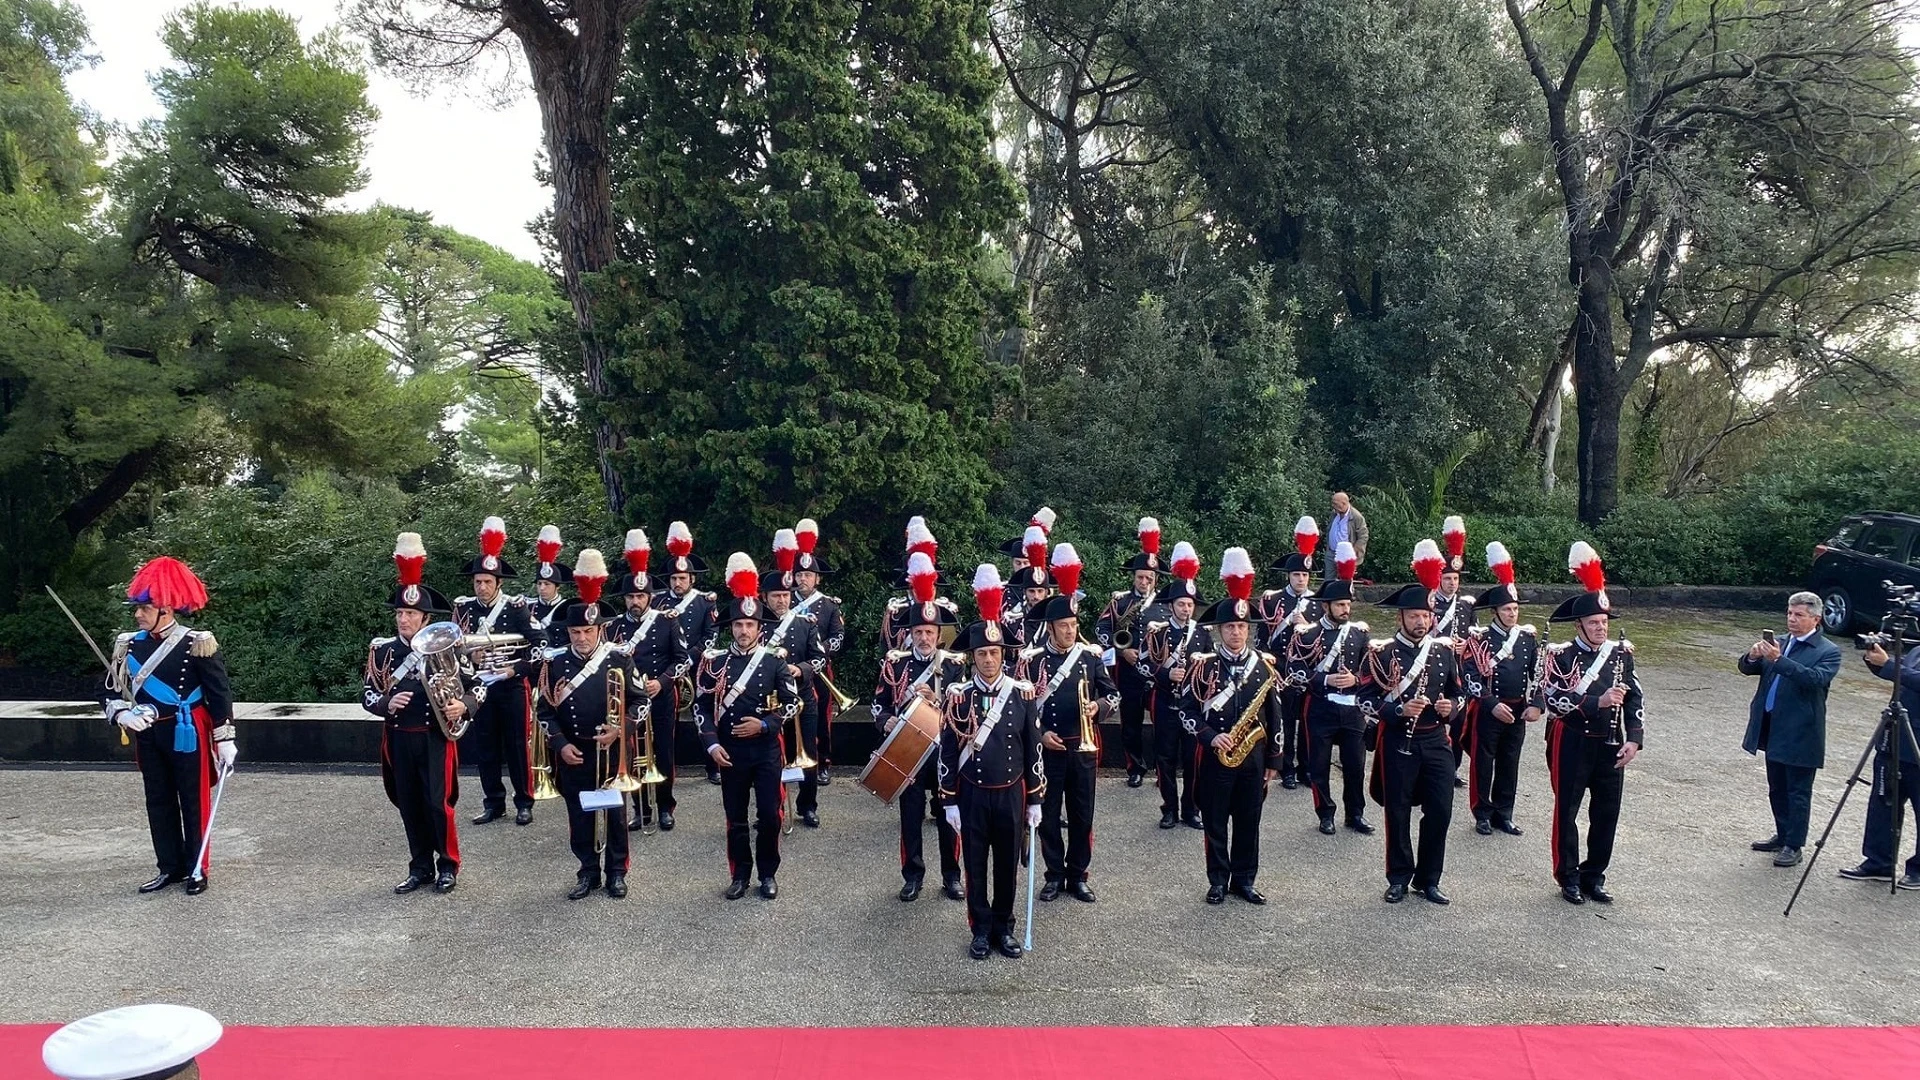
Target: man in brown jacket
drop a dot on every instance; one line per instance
(1347, 524)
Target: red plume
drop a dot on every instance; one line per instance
(807, 533)
(1427, 563)
(637, 551)
(1306, 536)
(989, 592)
(1034, 546)
(920, 539)
(1454, 532)
(786, 548)
(409, 557)
(547, 547)
(1585, 564)
(1066, 569)
(1236, 569)
(1345, 562)
(493, 537)
(679, 540)
(1186, 561)
(589, 574)
(1150, 535)
(743, 580)
(1500, 563)
(166, 582)
(921, 577)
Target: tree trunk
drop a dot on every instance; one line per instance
(126, 472)
(1550, 444)
(1599, 395)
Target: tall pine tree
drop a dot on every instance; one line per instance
(805, 189)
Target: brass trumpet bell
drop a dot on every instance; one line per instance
(841, 702)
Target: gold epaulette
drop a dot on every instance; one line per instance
(201, 643)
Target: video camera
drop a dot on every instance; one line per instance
(1900, 625)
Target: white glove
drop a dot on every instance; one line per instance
(133, 719)
(1033, 816)
(224, 753)
(953, 818)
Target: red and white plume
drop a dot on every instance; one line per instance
(589, 574)
(1236, 569)
(1454, 532)
(1044, 518)
(409, 558)
(989, 592)
(1306, 536)
(1066, 569)
(1150, 535)
(743, 580)
(547, 547)
(1186, 561)
(493, 537)
(1034, 546)
(1345, 562)
(920, 539)
(679, 540)
(921, 577)
(1427, 563)
(1584, 563)
(1500, 564)
(166, 582)
(637, 551)
(786, 548)
(807, 534)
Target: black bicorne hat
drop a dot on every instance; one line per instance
(1575, 608)
(980, 635)
(1057, 607)
(1291, 563)
(1408, 598)
(1030, 577)
(1228, 610)
(1178, 589)
(581, 613)
(558, 573)
(421, 598)
(1498, 597)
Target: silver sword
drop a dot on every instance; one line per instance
(206, 836)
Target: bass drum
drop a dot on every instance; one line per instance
(903, 752)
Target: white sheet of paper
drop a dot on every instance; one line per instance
(602, 800)
(791, 775)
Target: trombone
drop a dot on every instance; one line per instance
(649, 769)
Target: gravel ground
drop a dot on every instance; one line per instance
(300, 927)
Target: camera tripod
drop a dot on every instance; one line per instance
(1894, 726)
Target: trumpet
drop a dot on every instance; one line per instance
(1087, 743)
(841, 702)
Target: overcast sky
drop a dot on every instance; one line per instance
(466, 162)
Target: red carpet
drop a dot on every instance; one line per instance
(1508, 1053)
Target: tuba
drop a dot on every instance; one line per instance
(446, 655)
(1248, 731)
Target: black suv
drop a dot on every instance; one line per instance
(1866, 549)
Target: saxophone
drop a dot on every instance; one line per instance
(1247, 731)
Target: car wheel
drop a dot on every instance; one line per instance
(1836, 610)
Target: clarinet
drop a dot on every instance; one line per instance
(1419, 690)
(1616, 731)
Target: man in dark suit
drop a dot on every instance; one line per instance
(1788, 720)
(1877, 845)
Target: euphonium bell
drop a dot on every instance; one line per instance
(538, 754)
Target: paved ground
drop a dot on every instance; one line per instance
(300, 928)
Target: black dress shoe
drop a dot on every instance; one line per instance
(1050, 891)
(617, 886)
(978, 950)
(1484, 828)
(1510, 828)
(953, 890)
(1572, 894)
(768, 890)
(1289, 783)
(1250, 894)
(489, 814)
(1168, 819)
(1458, 782)
(1192, 822)
(910, 892)
(1598, 894)
(1435, 896)
(1359, 825)
(737, 889)
(666, 821)
(826, 776)
(1216, 894)
(413, 882)
(583, 888)
(1787, 856)
(444, 883)
(811, 819)
(1395, 894)
(713, 778)
(1136, 779)
(1771, 843)
(1079, 891)
(1326, 826)
(159, 882)
(1008, 947)
(523, 816)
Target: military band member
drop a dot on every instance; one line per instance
(1324, 661)
(547, 607)
(1454, 614)
(1071, 691)
(1502, 668)
(167, 685)
(1594, 732)
(695, 610)
(1411, 687)
(1281, 612)
(1231, 704)
(498, 735)
(808, 570)
(744, 698)
(657, 644)
(418, 766)
(992, 780)
(1164, 657)
(921, 670)
(793, 638)
(589, 700)
(893, 621)
(1120, 630)
(1033, 583)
